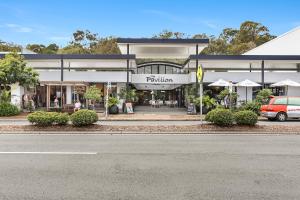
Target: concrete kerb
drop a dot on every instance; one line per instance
(145, 133)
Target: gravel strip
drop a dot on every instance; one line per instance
(205, 128)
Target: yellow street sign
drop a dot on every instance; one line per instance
(200, 73)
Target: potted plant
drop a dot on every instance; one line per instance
(112, 105)
(92, 94)
(129, 96)
(207, 103)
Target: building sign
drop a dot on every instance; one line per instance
(160, 78)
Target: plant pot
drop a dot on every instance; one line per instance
(114, 109)
(205, 110)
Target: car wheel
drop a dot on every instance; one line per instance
(281, 117)
(272, 119)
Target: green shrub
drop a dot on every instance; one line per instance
(221, 117)
(84, 117)
(7, 109)
(252, 106)
(210, 115)
(263, 96)
(4, 96)
(60, 118)
(41, 118)
(246, 117)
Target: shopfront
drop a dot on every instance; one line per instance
(159, 69)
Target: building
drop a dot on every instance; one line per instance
(166, 66)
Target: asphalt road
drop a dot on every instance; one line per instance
(138, 167)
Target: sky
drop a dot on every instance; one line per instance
(54, 21)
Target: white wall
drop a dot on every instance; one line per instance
(86, 76)
(241, 91)
(270, 77)
(294, 91)
(16, 94)
(81, 63)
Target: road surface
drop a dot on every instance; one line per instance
(138, 167)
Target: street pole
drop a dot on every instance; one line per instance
(201, 90)
(106, 103)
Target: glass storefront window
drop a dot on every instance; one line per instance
(162, 69)
(59, 92)
(141, 70)
(148, 69)
(169, 70)
(158, 69)
(154, 69)
(78, 94)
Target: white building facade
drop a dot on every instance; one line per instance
(164, 65)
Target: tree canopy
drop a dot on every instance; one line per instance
(231, 41)
(238, 41)
(13, 69)
(42, 49)
(4, 46)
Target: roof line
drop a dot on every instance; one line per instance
(76, 56)
(242, 57)
(245, 57)
(273, 40)
(162, 41)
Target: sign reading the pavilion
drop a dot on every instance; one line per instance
(164, 79)
(158, 79)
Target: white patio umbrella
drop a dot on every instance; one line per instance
(220, 83)
(286, 83)
(247, 83)
(223, 83)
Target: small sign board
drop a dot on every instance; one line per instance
(200, 73)
(191, 109)
(129, 108)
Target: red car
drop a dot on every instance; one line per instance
(281, 108)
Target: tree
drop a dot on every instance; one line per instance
(42, 49)
(238, 41)
(166, 34)
(93, 94)
(13, 69)
(106, 45)
(82, 43)
(9, 47)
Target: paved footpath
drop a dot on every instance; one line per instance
(149, 167)
(151, 123)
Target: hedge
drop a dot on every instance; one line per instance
(220, 117)
(7, 109)
(246, 117)
(84, 117)
(251, 106)
(42, 118)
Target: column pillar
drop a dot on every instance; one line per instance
(69, 94)
(263, 74)
(127, 80)
(17, 92)
(61, 68)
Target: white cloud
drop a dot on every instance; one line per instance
(19, 28)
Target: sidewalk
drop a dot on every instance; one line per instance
(150, 117)
(130, 117)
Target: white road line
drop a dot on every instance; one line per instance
(48, 152)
